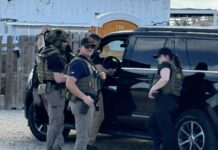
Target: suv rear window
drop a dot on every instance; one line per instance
(206, 51)
(145, 48)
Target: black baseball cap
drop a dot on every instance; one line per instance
(163, 51)
(87, 41)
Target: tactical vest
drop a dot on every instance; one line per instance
(174, 85)
(44, 74)
(92, 83)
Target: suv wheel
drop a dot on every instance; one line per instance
(195, 131)
(39, 130)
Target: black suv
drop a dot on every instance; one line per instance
(126, 102)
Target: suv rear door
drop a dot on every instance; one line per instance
(137, 77)
(202, 57)
(145, 66)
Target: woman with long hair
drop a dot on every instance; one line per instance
(165, 91)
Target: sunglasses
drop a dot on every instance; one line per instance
(89, 46)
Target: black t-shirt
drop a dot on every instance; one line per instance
(56, 63)
(96, 58)
(163, 65)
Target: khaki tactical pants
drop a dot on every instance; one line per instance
(83, 125)
(54, 104)
(98, 118)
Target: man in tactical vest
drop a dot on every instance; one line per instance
(42, 42)
(50, 71)
(98, 115)
(83, 82)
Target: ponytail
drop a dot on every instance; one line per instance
(176, 61)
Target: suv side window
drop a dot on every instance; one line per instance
(145, 48)
(203, 50)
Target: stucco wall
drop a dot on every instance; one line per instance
(82, 12)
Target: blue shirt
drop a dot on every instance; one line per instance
(78, 69)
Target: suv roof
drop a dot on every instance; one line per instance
(169, 30)
(179, 29)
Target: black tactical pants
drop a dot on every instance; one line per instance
(161, 126)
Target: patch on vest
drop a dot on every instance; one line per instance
(179, 76)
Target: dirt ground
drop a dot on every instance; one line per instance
(15, 135)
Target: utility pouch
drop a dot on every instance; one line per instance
(42, 89)
(84, 108)
(36, 97)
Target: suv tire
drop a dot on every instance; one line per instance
(37, 129)
(194, 128)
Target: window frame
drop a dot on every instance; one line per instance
(186, 50)
(134, 40)
(196, 37)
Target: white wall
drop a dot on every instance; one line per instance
(15, 28)
(82, 12)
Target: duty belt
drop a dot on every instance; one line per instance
(93, 96)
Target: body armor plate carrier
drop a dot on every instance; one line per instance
(90, 84)
(174, 85)
(44, 74)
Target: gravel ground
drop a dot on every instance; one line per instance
(15, 135)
